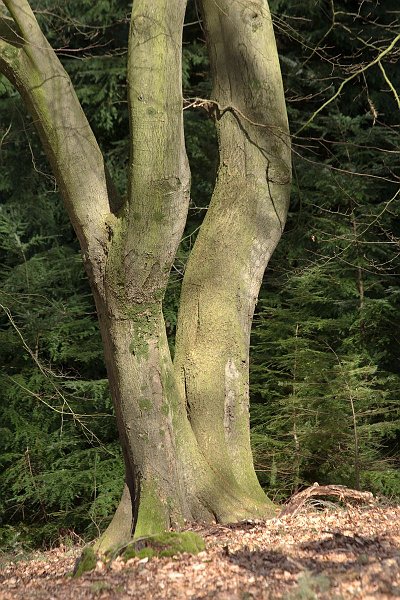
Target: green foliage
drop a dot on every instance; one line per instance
(60, 461)
(324, 371)
(325, 357)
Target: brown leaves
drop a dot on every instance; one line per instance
(352, 553)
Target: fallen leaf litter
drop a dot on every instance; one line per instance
(330, 554)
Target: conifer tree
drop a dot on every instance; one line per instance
(325, 361)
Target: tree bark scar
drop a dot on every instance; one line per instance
(252, 15)
(132, 481)
(186, 393)
(231, 377)
(134, 488)
(198, 316)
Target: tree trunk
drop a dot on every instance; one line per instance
(241, 229)
(168, 479)
(184, 428)
(145, 400)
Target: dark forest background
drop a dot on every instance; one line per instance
(325, 369)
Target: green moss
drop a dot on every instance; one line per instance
(170, 390)
(139, 349)
(145, 404)
(142, 311)
(165, 409)
(159, 294)
(131, 552)
(10, 53)
(145, 320)
(152, 516)
(158, 216)
(165, 544)
(86, 562)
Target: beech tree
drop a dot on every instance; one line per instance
(183, 423)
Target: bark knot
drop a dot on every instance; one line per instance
(252, 16)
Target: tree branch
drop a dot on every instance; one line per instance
(348, 79)
(34, 69)
(159, 178)
(9, 33)
(25, 20)
(238, 234)
(390, 84)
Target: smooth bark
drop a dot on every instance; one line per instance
(144, 240)
(243, 225)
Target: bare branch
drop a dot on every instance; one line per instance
(390, 84)
(9, 33)
(376, 60)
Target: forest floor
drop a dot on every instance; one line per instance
(336, 553)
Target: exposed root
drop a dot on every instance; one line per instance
(344, 493)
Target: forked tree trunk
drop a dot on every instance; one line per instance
(168, 479)
(184, 428)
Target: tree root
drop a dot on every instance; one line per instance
(344, 493)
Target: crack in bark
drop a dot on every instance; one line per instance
(198, 324)
(185, 387)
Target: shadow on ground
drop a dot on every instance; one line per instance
(320, 565)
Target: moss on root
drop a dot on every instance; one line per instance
(86, 562)
(162, 544)
(165, 544)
